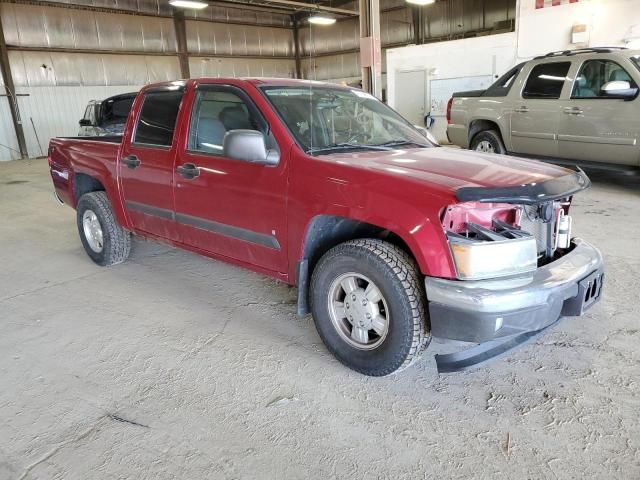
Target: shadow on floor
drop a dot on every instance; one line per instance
(629, 181)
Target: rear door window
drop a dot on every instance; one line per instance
(157, 121)
(546, 80)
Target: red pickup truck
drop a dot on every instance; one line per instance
(390, 239)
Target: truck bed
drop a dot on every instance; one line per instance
(92, 156)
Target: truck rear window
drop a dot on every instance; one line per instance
(546, 80)
(157, 120)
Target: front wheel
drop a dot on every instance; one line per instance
(488, 141)
(368, 304)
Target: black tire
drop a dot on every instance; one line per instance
(396, 275)
(116, 243)
(492, 137)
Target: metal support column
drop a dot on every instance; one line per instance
(10, 89)
(416, 17)
(180, 27)
(296, 47)
(370, 48)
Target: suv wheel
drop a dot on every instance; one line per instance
(106, 242)
(368, 304)
(488, 141)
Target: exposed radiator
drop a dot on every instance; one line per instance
(532, 223)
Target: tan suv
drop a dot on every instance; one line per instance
(575, 105)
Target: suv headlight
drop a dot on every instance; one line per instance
(475, 260)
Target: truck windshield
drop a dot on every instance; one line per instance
(327, 120)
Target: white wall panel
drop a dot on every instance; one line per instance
(609, 23)
(471, 57)
(9, 149)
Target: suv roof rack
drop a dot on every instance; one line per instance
(568, 53)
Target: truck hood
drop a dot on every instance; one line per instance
(471, 175)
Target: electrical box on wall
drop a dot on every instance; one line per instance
(580, 34)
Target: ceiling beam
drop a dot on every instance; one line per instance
(250, 5)
(300, 6)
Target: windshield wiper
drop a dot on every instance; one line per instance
(348, 146)
(399, 143)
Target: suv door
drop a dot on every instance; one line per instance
(535, 115)
(228, 207)
(596, 127)
(146, 165)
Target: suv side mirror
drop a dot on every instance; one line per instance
(85, 122)
(619, 89)
(249, 146)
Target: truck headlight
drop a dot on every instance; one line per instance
(475, 260)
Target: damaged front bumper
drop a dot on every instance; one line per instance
(502, 314)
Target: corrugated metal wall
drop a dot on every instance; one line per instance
(249, 67)
(42, 68)
(63, 57)
(336, 68)
(162, 8)
(448, 19)
(52, 27)
(395, 28)
(238, 40)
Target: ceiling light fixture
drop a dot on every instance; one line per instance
(193, 4)
(421, 2)
(322, 19)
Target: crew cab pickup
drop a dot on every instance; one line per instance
(569, 107)
(390, 239)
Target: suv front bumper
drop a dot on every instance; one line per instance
(488, 310)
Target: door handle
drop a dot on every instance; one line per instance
(188, 170)
(131, 161)
(521, 110)
(573, 111)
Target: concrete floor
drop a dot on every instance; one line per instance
(175, 366)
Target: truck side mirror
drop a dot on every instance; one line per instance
(249, 146)
(85, 122)
(619, 89)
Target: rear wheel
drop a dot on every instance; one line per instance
(106, 242)
(488, 141)
(368, 305)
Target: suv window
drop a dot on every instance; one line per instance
(158, 118)
(217, 110)
(594, 74)
(89, 113)
(546, 80)
(115, 111)
(502, 86)
(636, 61)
